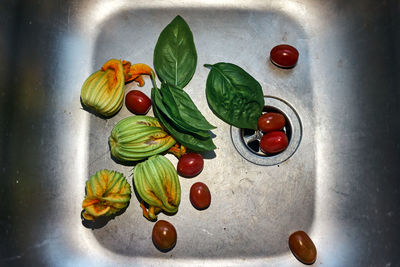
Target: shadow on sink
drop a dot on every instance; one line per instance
(254, 208)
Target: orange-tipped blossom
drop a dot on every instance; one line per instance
(139, 79)
(112, 76)
(156, 181)
(178, 150)
(107, 192)
(126, 66)
(134, 72)
(138, 137)
(88, 202)
(103, 91)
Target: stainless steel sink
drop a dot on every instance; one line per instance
(341, 185)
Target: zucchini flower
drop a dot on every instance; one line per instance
(103, 91)
(107, 192)
(157, 183)
(138, 137)
(134, 72)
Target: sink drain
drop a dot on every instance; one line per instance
(247, 142)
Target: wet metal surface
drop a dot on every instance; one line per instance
(341, 186)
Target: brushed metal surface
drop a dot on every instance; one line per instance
(341, 186)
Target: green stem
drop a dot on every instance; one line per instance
(208, 65)
(153, 80)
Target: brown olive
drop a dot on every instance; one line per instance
(302, 247)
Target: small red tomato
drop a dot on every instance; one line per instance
(271, 121)
(284, 56)
(303, 247)
(200, 196)
(190, 165)
(164, 235)
(137, 102)
(274, 142)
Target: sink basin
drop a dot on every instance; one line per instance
(340, 185)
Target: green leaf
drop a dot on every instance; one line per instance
(175, 56)
(185, 139)
(234, 95)
(180, 103)
(173, 115)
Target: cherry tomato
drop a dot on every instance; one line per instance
(271, 121)
(284, 56)
(274, 142)
(302, 247)
(164, 235)
(137, 102)
(200, 196)
(190, 165)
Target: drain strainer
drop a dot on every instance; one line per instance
(247, 141)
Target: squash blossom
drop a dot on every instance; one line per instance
(139, 137)
(135, 72)
(103, 91)
(157, 183)
(107, 192)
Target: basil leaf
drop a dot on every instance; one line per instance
(175, 56)
(173, 116)
(233, 95)
(185, 139)
(182, 105)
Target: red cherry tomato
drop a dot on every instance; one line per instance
(190, 165)
(303, 247)
(274, 142)
(164, 235)
(137, 102)
(284, 56)
(200, 196)
(271, 121)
